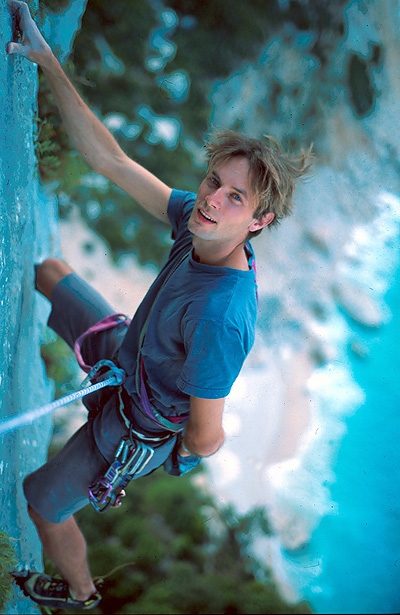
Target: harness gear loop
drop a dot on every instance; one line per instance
(131, 457)
(133, 452)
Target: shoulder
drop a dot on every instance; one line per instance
(225, 296)
(180, 206)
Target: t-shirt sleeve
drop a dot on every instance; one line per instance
(180, 207)
(215, 355)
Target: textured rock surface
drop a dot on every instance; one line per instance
(23, 384)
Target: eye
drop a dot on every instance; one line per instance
(236, 197)
(214, 181)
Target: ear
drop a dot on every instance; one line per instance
(266, 219)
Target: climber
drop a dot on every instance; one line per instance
(187, 341)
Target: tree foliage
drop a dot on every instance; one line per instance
(112, 67)
(175, 551)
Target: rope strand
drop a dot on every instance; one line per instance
(28, 417)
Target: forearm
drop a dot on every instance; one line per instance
(204, 434)
(94, 142)
(188, 447)
(197, 444)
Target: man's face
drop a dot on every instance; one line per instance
(225, 204)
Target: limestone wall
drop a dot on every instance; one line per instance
(26, 235)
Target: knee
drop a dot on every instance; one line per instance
(49, 273)
(52, 267)
(40, 523)
(36, 518)
(32, 513)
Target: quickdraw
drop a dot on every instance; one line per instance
(131, 457)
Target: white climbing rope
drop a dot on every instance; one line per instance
(28, 417)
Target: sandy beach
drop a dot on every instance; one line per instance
(257, 440)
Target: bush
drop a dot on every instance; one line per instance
(8, 560)
(169, 549)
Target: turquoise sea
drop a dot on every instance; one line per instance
(352, 562)
(361, 545)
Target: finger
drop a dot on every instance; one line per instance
(21, 12)
(16, 48)
(15, 6)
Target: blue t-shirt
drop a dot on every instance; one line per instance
(200, 329)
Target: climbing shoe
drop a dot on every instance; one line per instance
(51, 592)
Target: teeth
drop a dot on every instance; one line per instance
(206, 216)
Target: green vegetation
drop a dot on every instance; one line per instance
(124, 61)
(8, 560)
(173, 551)
(361, 90)
(61, 366)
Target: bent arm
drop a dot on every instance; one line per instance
(90, 137)
(204, 433)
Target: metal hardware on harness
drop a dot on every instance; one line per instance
(131, 457)
(95, 373)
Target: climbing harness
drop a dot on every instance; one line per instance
(133, 452)
(109, 322)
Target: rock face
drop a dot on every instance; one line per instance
(329, 264)
(23, 241)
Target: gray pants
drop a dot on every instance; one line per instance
(60, 488)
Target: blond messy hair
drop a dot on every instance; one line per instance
(272, 171)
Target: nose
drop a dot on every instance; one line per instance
(215, 198)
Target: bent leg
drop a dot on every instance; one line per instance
(55, 492)
(75, 307)
(66, 547)
(49, 273)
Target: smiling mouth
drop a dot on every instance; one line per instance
(206, 216)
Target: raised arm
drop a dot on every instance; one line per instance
(90, 137)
